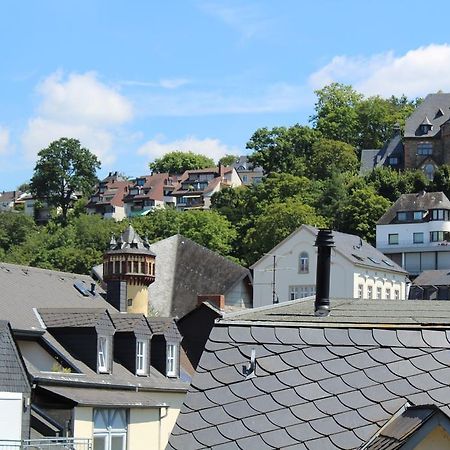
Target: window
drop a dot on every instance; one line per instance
(393, 161)
(438, 236)
(244, 178)
(418, 215)
(171, 360)
(361, 291)
(301, 291)
(402, 216)
(439, 214)
(425, 149)
(418, 238)
(388, 293)
(397, 294)
(303, 263)
(429, 171)
(393, 239)
(378, 293)
(103, 354)
(141, 357)
(370, 292)
(110, 429)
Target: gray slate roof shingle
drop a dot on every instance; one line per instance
(422, 201)
(433, 278)
(319, 383)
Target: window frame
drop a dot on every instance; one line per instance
(392, 235)
(303, 262)
(103, 353)
(361, 291)
(142, 357)
(415, 235)
(370, 292)
(109, 432)
(171, 360)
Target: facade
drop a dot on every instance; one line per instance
(149, 192)
(10, 199)
(358, 270)
(98, 373)
(107, 199)
(425, 143)
(415, 232)
(196, 187)
(248, 173)
(367, 376)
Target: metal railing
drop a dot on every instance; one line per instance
(47, 444)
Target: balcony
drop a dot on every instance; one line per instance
(408, 246)
(47, 444)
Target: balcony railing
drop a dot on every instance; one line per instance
(47, 444)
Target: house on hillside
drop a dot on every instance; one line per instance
(196, 187)
(358, 270)
(149, 192)
(415, 232)
(107, 200)
(10, 199)
(319, 374)
(101, 369)
(249, 173)
(425, 143)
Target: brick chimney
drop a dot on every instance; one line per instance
(215, 299)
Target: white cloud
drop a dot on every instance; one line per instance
(213, 148)
(4, 140)
(78, 106)
(416, 73)
(166, 83)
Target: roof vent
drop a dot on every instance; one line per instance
(249, 370)
(81, 287)
(439, 113)
(324, 242)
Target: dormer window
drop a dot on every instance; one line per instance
(141, 357)
(103, 355)
(171, 368)
(418, 215)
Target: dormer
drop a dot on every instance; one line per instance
(132, 342)
(87, 334)
(165, 346)
(426, 126)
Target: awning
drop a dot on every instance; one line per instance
(96, 396)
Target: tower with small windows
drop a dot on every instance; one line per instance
(128, 271)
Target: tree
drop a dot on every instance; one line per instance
(282, 149)
(228, 160)
(441, 180)
(330, 156)
(335, 113)
(63, 169)
(179, 162)
(14, 229)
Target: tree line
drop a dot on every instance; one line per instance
(311, 177)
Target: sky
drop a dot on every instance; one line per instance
(133, 80)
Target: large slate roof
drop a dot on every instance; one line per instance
(24, 288)
(318, 383)
(13, 377)
(433, 278)
(431, 109)
(422, 201)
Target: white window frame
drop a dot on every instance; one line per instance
(370, 292)
(379, 292)
(103, 354)
(303, 262)
(388, 294)
(397, 294)
(360, 291)
(109, 432)
(171, 357)
(141, 357)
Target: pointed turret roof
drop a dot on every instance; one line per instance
(130, 242)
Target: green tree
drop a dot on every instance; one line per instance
(14, 229)
(441, 180)
(330, 156)
(335, 113)
(276, 222)
(228, 160)
(63, 169)
(361, 211)
(282, 149)
(179, 162)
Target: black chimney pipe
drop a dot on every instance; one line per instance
(324, 242)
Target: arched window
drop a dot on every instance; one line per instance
(303, 263)
(429, 171)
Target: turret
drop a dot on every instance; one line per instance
(128, 271)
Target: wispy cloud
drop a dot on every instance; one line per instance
(415, 73)
(211, 147)
(4, 140)
(78, 106)
(166, 83)
(245, 18)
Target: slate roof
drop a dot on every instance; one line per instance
(422, 201)
(397, 432)
(129, 242)
(24, 288)
(433, 278)
(368, 160)
(13, 377)
(435, 108)
(318, 383)
(132, 323)
(357, 250)
(69, 317)
(165, 326)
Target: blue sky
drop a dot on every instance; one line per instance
(137, 79)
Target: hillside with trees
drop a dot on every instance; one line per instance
(311, 177)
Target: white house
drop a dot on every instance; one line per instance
(415, 232)
(358, 270)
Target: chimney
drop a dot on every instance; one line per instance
(216, 299)
(93, 288)
(324, 242)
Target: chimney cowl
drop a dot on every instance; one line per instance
(324, 243)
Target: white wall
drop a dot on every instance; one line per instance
(11, 406)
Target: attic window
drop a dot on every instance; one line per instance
(439, 113)
(358, 257)
(388, 263)
(171, 370)
(141, 357)
(103, 354)
(376, 261)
